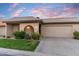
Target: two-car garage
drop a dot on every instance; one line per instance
(57, 30)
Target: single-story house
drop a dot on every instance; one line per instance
(51, 27)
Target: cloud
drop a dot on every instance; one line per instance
(70, 11)
(12, 6)
(43, 12)
(2, 16)
(18, 12)
(47, 10)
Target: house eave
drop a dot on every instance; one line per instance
(60, 23)
(22, 21)
(2, 25)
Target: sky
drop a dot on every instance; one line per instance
(42, 10)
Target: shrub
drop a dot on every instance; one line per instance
(35, 36)
(27, 36)
(76, 35)
(19, 34)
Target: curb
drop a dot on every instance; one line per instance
(13, 52)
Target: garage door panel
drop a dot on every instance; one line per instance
(57, 31)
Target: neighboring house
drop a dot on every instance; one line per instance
(51, 27)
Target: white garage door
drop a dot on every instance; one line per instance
(57, 31)
(2, 31)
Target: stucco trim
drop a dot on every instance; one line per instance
(61, 23)
(23, 21)
(2, 25)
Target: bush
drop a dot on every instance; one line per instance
(27, 36)
(19, 34)
(23, 35)
(35, 36)
(76, 35)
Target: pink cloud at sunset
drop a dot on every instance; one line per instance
(45, 12)
(42, 10)
(70, 10)
(17, 12)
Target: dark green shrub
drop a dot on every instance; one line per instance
(19, 34)
(35, 36)
(27, 36)
(76, 35)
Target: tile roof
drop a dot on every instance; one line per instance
(57, 20)
(2, 24)
(47, 20)
(27, 18)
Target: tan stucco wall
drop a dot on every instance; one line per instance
(11, 28)
(75, 27)
(34, 25)
(15, 28)
(2, 30)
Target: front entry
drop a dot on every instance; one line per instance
(29, 29)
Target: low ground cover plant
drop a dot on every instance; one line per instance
(76, 35)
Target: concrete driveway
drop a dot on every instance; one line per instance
(59, 47)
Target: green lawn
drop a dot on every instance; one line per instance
(19, 44)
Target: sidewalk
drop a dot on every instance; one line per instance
(12, 52)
